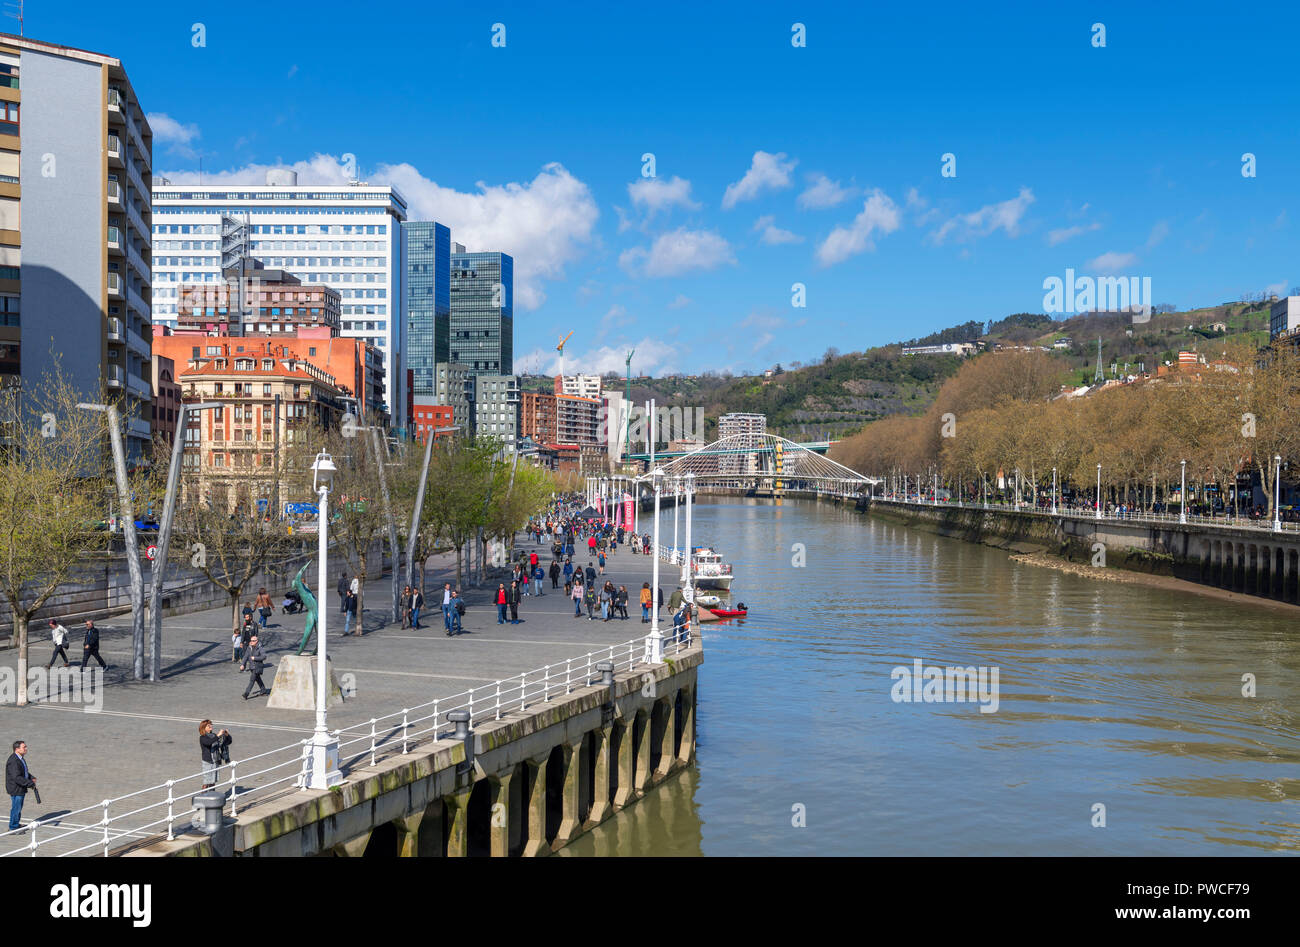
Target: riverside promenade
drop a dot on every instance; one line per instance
(146, 733)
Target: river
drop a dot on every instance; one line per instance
(1109, 695)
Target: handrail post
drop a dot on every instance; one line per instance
(171, 814)
(32, 844)
(372, 741)
(405, 725)
(498, 700)
(234, 788)
(105, 824)
(546, 684)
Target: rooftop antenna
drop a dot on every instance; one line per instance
(17, 16)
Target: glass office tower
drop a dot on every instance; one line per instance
(482, 312)
(428, 300)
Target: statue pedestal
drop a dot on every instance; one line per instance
(295, 684)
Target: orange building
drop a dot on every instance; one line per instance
(430, 417)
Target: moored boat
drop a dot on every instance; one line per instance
(709, 571)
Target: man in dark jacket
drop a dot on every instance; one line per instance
(18, 779)
(344, 585)
(555, 574)
(513, 596)
(254, 662)
(90, 646)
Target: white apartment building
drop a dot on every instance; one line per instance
(496, 408)
(584, 386)
(753, 425)
(347, 237)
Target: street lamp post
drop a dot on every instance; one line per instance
(128, 533)
(1277, 493)
(1182, 497)
(324, 749)
(1098, 491)
(165, 535)
(686, 562)
(677, 496)
(934, 498)
(655, 642)
(1054, 511)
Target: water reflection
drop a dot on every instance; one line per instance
(1111, 694)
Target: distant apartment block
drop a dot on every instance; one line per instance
(346, 237)
(753, 425)
(454, 385)
(584, 386)
(537, 417)
(429, 419)
(75, 246)
(496, 408)
(961, 349)
(261, 300)
(1284, 317)
(577, 421)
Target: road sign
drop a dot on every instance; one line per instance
(151, 552)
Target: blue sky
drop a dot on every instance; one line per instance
(774, 164)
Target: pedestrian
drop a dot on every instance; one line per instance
(555, 574)
(645, 602)
(606, 601)
(446, 605)
(532, 561)
(60, 636)
(417, 603)
(600, 557)
(349, 612)
(248, 612)
(263, 605)
(515, 594)
(404, 606)
(591, 574)
(659, 603)
(589, 598)
(502, 599)
(456, 611)
(254, 662)
(577, 598)
(236, 646)
(344, 585)
(212, 750)
(90, 646)
(621, 601)
(675, 600)
(539, 576)
(568, 570)
(18, 779)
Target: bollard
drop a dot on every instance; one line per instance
(208, 808)
(606, 669)
(461, 719)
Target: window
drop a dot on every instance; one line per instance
(266, 390)
(9, 118)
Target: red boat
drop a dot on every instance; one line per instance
(740, 611)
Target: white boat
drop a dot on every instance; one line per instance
(707, 600)
(709, 571)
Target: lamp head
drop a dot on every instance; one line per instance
(323, 471)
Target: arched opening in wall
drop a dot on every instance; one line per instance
(617, 734)
(1238, 567)
(478, 829)
(681, 705)
(1275, 574)
(383, 842)
(658, 722)
(554, 793)
(588, 770)
(429, 840)
(518, 811)
(638, 741)
(1290, 582)
(1252, 569)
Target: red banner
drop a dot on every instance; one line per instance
(628, 516)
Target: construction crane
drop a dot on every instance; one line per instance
(560, 348)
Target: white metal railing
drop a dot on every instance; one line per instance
(151, 813)
(1089, 513)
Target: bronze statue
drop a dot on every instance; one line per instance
(309, 603)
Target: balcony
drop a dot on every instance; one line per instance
(114, 239)
(137, 427)
(116, 331)
(114, 286)
(113, 376)
(139, 387)
(137, 302)
(114, 193)
(136, 343)
(114, 151)
(141, 190)
(136, 260)
(137, 220)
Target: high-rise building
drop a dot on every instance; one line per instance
(428, 300)
(751, 425)
(537, 416)
(577, 421)
(272, 301)
(496, 408)
(347, 237)
(482, 312)
(75, 263)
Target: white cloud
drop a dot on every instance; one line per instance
(1276, 289)
(1112, 262)
(879, 213)
(823, 193)
(653, 357)
(766, 171)
(1004, 216)
(772, 234)
(616, 317)
(677, 252)
(1057, 237)
(174, 134)
(543, 223)
(915, 200)
(679, 302)
(1158, 234)
(656, 194)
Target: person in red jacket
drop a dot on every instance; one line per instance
(501, 603)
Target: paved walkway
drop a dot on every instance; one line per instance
(146, 732)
